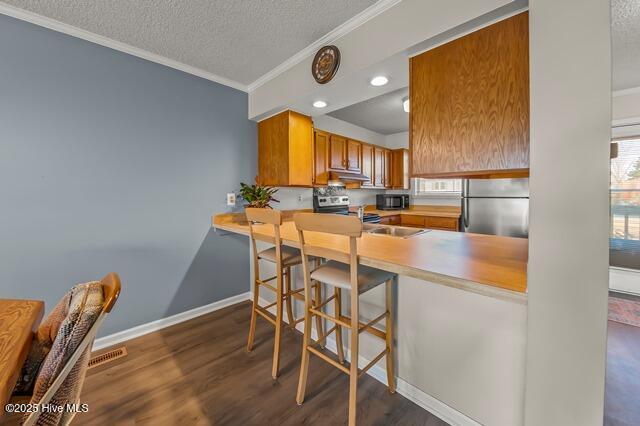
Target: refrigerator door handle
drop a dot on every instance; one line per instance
(465, 212)
(465, 188)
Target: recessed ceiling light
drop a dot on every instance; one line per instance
(379, 80)
(319, 104)
(405, 104)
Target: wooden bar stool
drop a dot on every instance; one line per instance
(342, 272)
(284, 258)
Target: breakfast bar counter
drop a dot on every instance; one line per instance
(461, 313)
(486, 264)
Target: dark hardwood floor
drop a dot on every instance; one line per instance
(622, 392)
(198, 373)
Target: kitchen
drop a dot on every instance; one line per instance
(425, 162)
(446, 279)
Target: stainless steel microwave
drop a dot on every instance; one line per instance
(392, 201)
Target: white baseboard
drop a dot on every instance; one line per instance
(412, 393)
(624, 280)
(150, 327)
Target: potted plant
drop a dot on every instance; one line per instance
(257, 196)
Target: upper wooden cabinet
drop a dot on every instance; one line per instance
(344, 154)
(337, 150)
(320, 158)
(400, 169)
(469, 111)
(353, 155)
(367, 164)
(285, 150)
(378, 167)
(388, 165)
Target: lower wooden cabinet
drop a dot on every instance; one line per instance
(430, 222)
(411, 220)
(390, 220)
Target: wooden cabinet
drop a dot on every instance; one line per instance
(444, 223)
(337, 149)
(285, 150)
(470, 104)
(388, 166)
(378, 167)
(412, 220)
(367, 164)
(320, 157)
(431, 222)
(353, 155)
(390, 220)
(344, 154)
(336, 153)
(400, 169)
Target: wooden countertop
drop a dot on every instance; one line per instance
(486, 264)
(418, 210)
(19, 319)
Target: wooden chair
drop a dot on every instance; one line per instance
(111, 291)
(284, 258)
(343, 272)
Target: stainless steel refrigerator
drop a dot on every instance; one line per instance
(495, 206)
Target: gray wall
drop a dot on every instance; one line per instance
(112, 163)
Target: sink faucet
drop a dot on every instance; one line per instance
(361, 213)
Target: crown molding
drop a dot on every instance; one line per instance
(348, 26)
(624, 92)
(61, 27)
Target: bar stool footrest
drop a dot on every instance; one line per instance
(328, 359)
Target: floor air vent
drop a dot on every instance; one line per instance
(106, 357)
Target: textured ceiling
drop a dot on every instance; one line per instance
(237, 39)
(625, 19)
(382, 114)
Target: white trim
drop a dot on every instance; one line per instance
(624, 280)
(427, 402)
(61, 27)
(150, 327)
(624, 92)
(333, 35)
(623, 122)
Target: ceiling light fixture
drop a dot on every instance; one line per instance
(319, 104)
(379, 80)
(405, 104)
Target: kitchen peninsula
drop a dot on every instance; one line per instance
(487, 264)
(461, 313)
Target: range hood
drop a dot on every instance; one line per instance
(348, 177)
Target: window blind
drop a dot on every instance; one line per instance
(624, 238)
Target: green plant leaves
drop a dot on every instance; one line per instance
(257, 196)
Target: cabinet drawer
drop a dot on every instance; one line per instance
(390, 220)
(448, 223)
(410, 220)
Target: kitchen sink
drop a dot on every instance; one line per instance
(393, 231)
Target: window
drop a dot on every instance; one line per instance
(442, 187)
(624, 238)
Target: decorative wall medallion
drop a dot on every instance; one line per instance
(325, 64)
